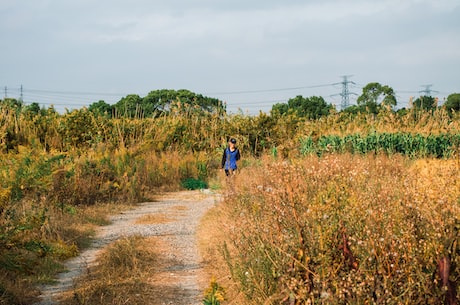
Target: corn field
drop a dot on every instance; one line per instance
(410, 145)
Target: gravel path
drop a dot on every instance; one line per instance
(180, 275)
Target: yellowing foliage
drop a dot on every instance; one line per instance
(343, 229)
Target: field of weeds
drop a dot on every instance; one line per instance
(341, 229)
(341, 203)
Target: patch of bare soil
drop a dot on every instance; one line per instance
(172, 221)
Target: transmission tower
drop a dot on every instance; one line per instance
(345, 91)
(428, 91)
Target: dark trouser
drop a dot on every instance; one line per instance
(229, 172)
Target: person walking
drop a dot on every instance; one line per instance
(230, 157)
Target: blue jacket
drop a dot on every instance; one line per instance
(229, 158)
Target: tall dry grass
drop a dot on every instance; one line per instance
(423, 122)
(51, 204)
(344, 229)
(120, 277)
(187, 129)
(53, 166)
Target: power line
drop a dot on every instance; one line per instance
(258, 103)
(73, 92)
(406, 91)
(269, 90)
(78, 99)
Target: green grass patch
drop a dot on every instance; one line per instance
(194, 184)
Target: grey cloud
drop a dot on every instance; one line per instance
(211, 46)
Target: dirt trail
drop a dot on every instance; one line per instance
(179, 280)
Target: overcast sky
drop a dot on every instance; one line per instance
(74, 53)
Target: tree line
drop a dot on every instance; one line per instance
(373, 98)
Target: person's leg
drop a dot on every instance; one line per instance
(230, 183)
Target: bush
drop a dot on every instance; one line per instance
(194, 184)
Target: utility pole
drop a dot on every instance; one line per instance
(6, 91)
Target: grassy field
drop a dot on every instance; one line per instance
(341, 229)
(343, 193)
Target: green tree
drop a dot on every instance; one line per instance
(280, 108)
(312, 107)
(33, 109)
(425, 102)
(375, 95)
(129, 106)
(101, 108)
(453, 102)
(354, 109)
(159, 101)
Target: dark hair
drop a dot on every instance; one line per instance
(233, 140)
